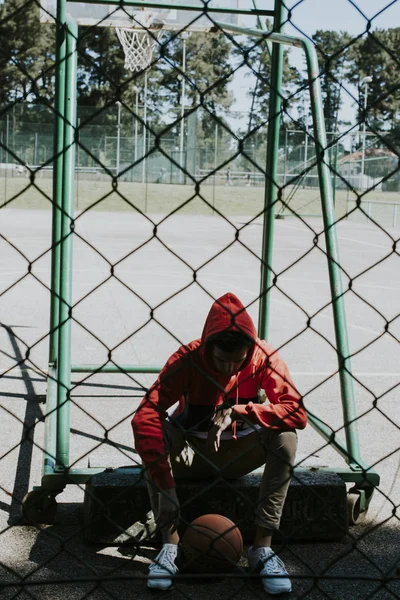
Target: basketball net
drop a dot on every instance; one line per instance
(138, 44)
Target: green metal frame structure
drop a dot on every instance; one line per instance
(56, 470)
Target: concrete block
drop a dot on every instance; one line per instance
(117, 508)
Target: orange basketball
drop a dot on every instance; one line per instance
(212, 543)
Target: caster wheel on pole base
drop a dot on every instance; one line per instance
(354, 508)
(39, 507)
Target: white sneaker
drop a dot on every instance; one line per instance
(275, 578)
(163, 568)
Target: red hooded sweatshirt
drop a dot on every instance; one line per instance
(191, 379)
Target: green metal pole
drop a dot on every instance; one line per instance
(335, 159)
(57, 181)
(50, 426)
(332, 252)
(50, 435)
(64, 351)
(332, 248)
(271, 172)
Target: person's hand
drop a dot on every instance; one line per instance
(221, 420)
(168, 510)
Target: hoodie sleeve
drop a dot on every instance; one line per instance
(147, 423)
(285, 409)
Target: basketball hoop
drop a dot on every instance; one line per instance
(139, 41)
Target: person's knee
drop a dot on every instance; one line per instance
(284, 445)
(288, 446)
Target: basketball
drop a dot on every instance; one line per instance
(212, 543)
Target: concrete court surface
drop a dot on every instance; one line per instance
(153, 262)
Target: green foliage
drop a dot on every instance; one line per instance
(103, 79)
(255, 53)
(27, 54)
(27, 66)
(100, 66)
(391, 139)
(207, 75)
(377, 55)
(333, 57)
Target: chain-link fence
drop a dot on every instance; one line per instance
(256, 158)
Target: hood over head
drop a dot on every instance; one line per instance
(228, 314)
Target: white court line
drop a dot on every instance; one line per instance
(133, 272)
(294, 373)
(232, 286)
(356, 373)
(341, 237)
(195, 246)
(208, 280)
(290, 305)
(326, 281)
(168, 274)
(302, 229)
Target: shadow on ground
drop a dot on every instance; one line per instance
(61, 564)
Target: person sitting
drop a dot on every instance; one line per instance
(237, 409)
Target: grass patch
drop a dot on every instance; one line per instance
(166, 198)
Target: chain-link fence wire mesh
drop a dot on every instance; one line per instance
(167, 219)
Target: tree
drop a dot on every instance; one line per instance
(255, 53)
(27, 54)
(101, 74)
(207, 75)
(102, 78)
(333, 55)
(378, 55)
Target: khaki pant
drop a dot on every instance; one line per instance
(276, 450)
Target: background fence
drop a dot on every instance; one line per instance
(116, 147)
(116, 151)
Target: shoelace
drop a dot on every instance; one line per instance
(273, 563)
(166, 560)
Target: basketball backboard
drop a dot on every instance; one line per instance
(112, 15)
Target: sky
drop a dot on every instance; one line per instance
(310, 15)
